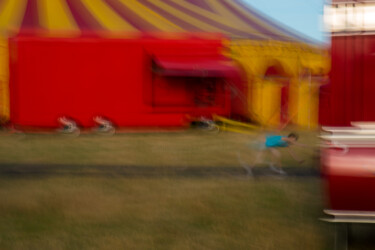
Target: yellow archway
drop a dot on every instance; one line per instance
(264, 105)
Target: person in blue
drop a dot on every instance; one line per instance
(272, 143)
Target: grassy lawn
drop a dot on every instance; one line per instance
(161, 213)
(185, 149)
(76, 210)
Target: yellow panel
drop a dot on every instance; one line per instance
(265, 101)
(55, 15)
(152, 17)
(308, 105)
(271, 104)
(293, 100)
(107, 17)
(255, 101)
(319, 64)
(11, 14)
(187, 18)
(4, 76)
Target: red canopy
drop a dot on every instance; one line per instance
(180, 66)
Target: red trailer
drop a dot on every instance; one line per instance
(348, 103)
(143, 81)
(350, 94)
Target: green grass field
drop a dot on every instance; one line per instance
(72, 208)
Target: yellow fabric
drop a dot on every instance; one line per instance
(108, 18)
(308, 104)
(4, 76)
(187, 18)
(55, 15)
(265, 102)
(152, 17)
(293, 99)
(11, 15)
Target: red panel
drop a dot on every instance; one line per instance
(189, 94)
(338, 80)
(369, 78)
(58, 78)
(350, 94)
(284, 112)
(239, 88)
(358, 90)
(325, 114)
(172, 92)
(350, 179)
(84, 77)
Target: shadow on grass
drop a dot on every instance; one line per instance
(26, 170)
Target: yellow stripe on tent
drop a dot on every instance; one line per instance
(107, 17)
(217, 18)
(256, 20)
(11, 14)
(150, 16)
(183, 16)
(56, 15)
(232, 18)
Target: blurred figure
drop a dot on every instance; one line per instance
(270, 144)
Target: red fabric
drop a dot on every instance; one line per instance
(349, 178)
(202, 67)
(88, 76)
(325, 105)
(239, 88)
(284, 107)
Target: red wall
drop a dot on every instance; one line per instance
(84, 77)
(350, 95)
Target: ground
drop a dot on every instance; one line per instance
(162, 213)
(165, 190)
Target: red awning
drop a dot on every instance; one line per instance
(196, 67)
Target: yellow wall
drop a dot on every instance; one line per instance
(4, 76)
(265, 102)
(265, 95)
(308, 104)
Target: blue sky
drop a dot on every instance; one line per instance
(304, 16)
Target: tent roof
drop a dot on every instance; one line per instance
(234, 18)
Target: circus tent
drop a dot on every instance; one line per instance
(255, 42)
